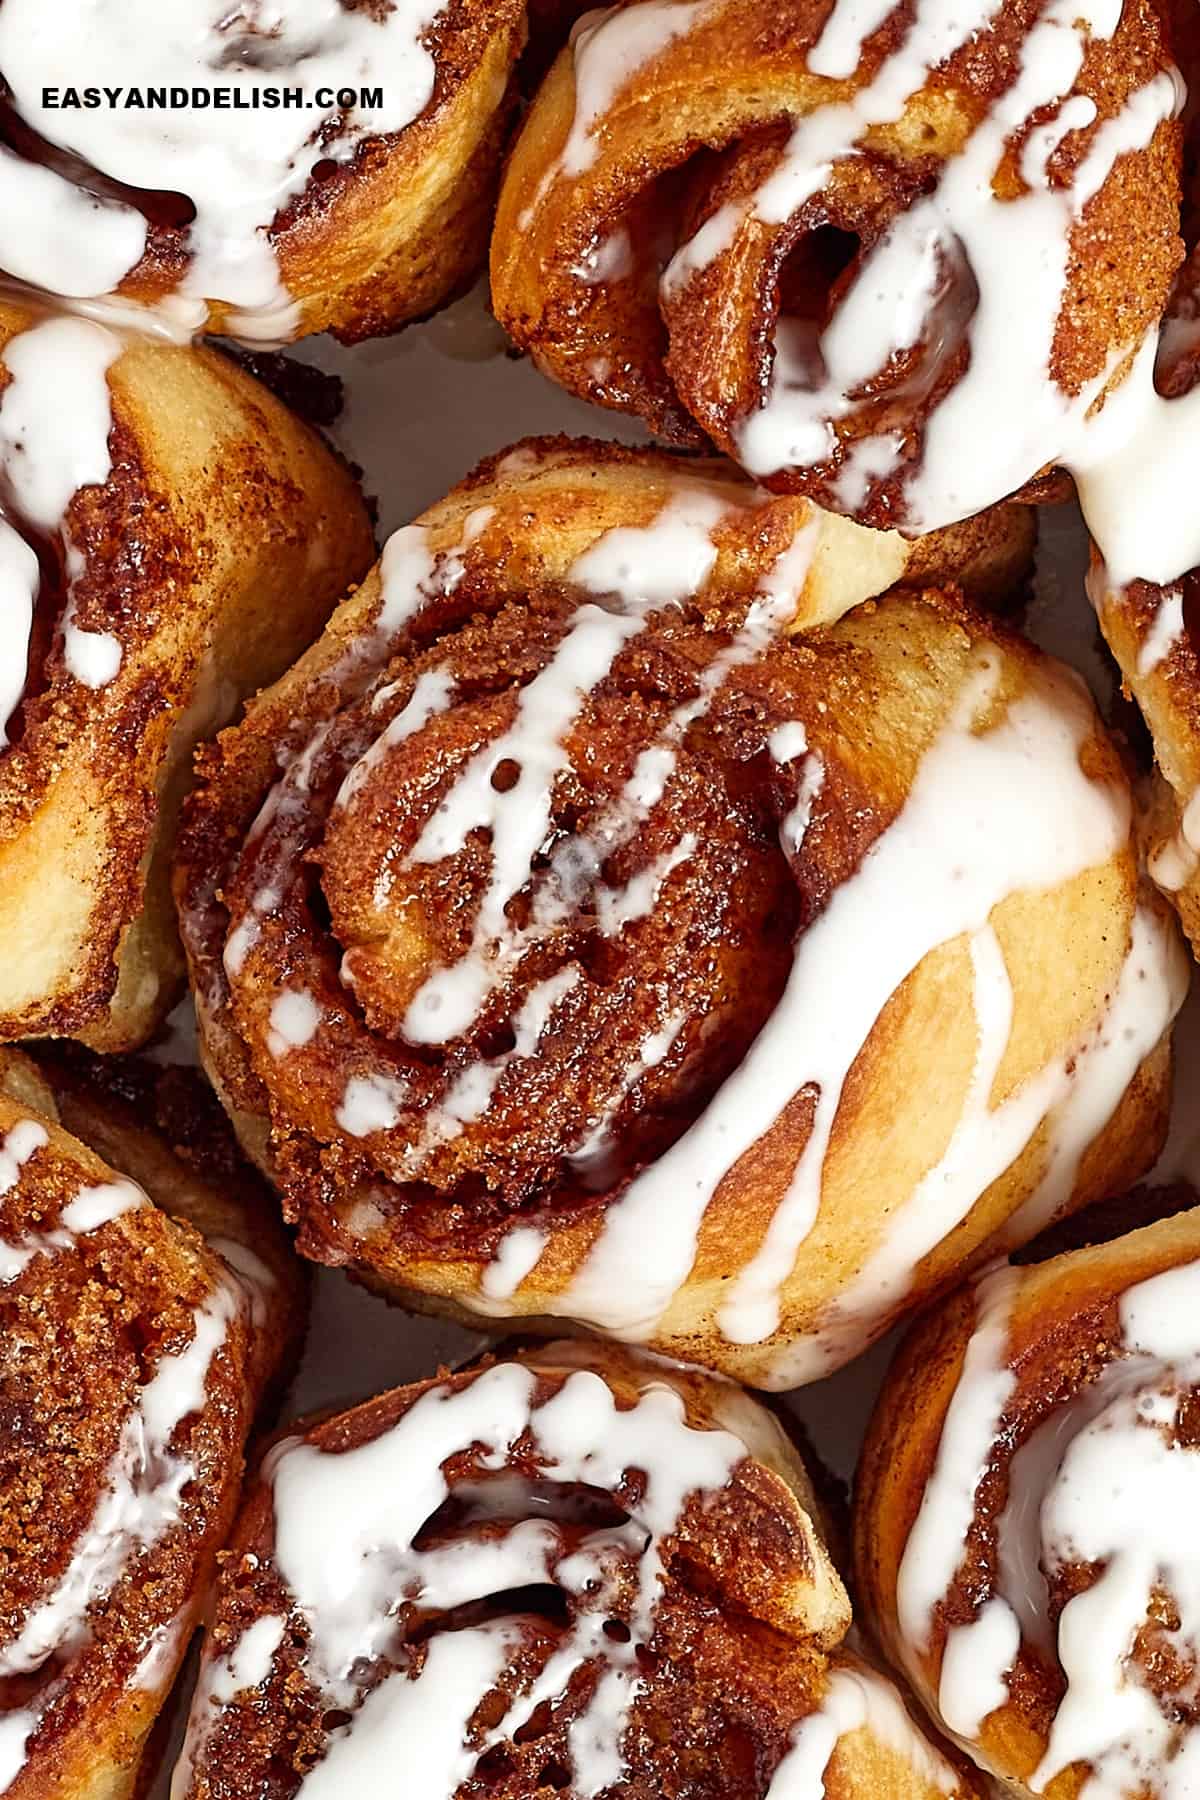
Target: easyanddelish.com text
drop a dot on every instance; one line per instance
(218, 99)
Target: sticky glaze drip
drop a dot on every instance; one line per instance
(76, 216)
(1165, 632)
(55, 419)
(855, 1699)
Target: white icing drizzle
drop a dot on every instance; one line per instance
(976, 1665)
(1152, 987)
(470, 1094)
(16, 1729)
(163, 1652)
(432, 694)
(243, 937)
(611, 47)
(294, 1021)
(370, 1103)
(786, 743)
(420, 1725)
(1006, 403)
(21, 1141)
(141, 1501)
(939, 1534)
(618, 907)
(99, 1205)
(1174, 862)
(855, 1699)
(1141, 444)
(92, 1207)
(19, 579)
(1078, 1092)
(249, 1662)
(1165, 632)
(974, 829)
(1017, 250)
(349, 1587)
(239, 179)
(1125, 1497)
(594, 1156)
(610, 259)
(517, 818)
(55, 418)
(514, 1260)
(663, 563)
(1103, 1483)
(247, 1665)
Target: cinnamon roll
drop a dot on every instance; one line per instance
(883, 255)
(1152, 631)
(170, 539)
(578, 1571)
(136, 1343)
(620, 916)
(1026, 1517)
(1145, 588)
(260, 170)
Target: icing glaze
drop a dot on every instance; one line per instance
(961, 844)
(1109, 1481)
(1114, 431)
(973, 831)
(55, 419)
(140, 1502)
(350, 1591)
(237, 181)
(855, 1699)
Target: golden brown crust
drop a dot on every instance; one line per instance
(160, 1124)
(1152, 632)
(698, 126)
(392, 234)
(212, 554)
(421, 1209)
(114, 1504)
(745, 1642)
(1063, 1341)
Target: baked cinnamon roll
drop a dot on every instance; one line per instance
(883, 255)
(1026, 1518)
(170, 539)
(580, 1571)
(1144, 575)
(621, 917)
(260, 170)
(1151, 630)
(136, 1343)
